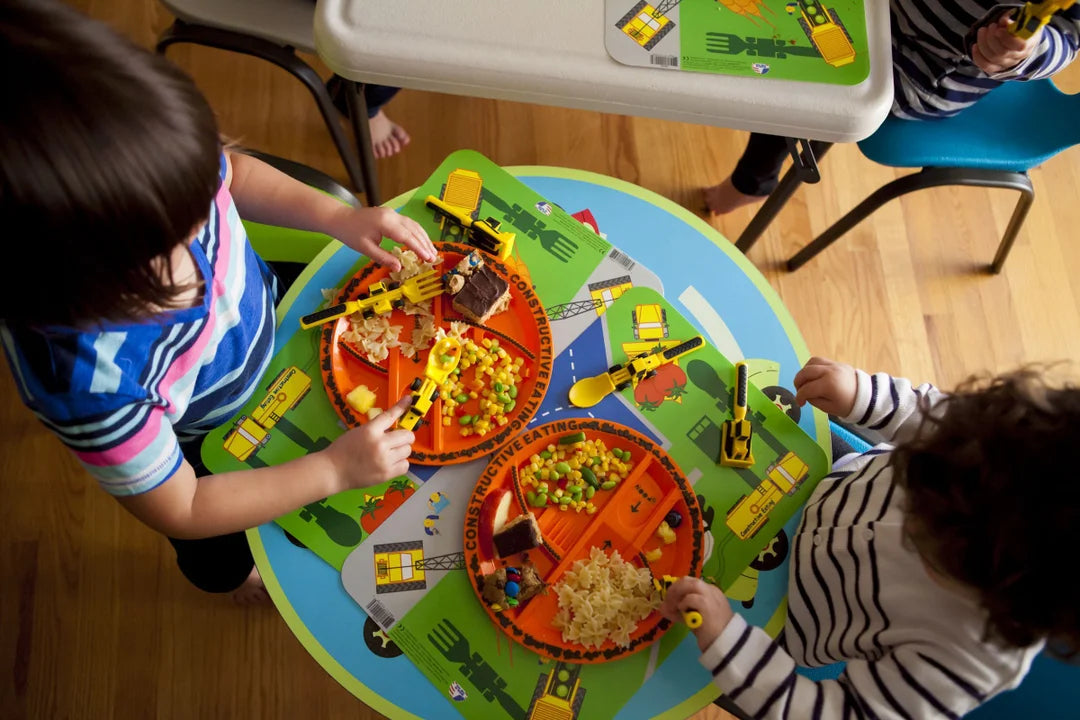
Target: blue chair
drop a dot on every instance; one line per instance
(991, 144)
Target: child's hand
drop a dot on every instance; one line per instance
(997, 50)
(363, 229)
(827, 385)
(695, 594)
(372, 453)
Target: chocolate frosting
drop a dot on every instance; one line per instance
(482, 291)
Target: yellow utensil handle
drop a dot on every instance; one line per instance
(1033, 16)
(324, 316)
(741, 380)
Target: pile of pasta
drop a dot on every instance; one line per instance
(603, 598)
(376, 336)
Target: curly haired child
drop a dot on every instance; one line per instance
(932, 564)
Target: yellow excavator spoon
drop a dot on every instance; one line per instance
(591, 390)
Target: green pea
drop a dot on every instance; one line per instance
(498, 387)
(512, 392)
(565, 500)
(589, 477)
(537, 499)
(509, 407)
(608, 485)
(545, 454)
(589, 492)
(461, 399)
(543, 487)
(465, 420)
(572, 438)
(554, 475)
(562, 467)
(575, 490)
(446, 359)
(594, 460)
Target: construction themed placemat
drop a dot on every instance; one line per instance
(822, 41)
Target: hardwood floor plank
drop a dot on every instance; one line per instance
(95, 621)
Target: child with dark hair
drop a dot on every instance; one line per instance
(936, 569)
(138, 317)
(945, 56)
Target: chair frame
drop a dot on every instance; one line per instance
(928, 177)
(360, 165)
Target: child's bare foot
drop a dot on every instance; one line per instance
(387, 137)
(252, 592)
(723, 198)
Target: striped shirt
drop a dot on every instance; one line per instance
(124, 398)
(857, 594)
(933, 72)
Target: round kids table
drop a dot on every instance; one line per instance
(701, 272)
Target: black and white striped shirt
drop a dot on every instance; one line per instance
(857, 594)
(933, 72)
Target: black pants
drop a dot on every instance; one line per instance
(375, 96)
(758, 170)
(220, 564)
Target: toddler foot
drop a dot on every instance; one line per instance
(387, 137)
(252, 592)
(723, 198)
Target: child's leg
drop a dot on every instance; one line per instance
(216, 564)
(387, 137)
(755, 176)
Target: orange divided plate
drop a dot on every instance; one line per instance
(626, 520)
(522, 330)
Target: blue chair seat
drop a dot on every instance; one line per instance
(1014, 128)
(993, 144)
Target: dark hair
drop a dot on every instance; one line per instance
(109, 158)
(993, 502)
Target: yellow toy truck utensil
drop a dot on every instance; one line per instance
(692, 618)
(1034, 15)
(735, 448)
(591, 390)
(442, 359)
(482, 234)
(382, 297)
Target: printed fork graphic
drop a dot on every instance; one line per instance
(451, 643)
(728, 44)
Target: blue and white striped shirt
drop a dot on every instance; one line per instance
(914, 650)
(933, 71)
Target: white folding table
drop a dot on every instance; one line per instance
(552, 53)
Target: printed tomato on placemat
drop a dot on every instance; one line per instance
(499, 384)
(566, 530)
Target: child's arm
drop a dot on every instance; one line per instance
(1003, 56)
(264, 194)
(884, 408)
(759, 676)
(185, 506)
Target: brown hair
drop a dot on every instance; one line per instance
(109, 158)
(993, 502)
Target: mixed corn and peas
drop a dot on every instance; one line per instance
(495, 379)
(569, 474)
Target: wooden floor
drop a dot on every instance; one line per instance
(95, 621)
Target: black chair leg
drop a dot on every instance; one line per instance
(927, 178)
(285, 58)
(776, 201)
(1023, 204)
(358, 116)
